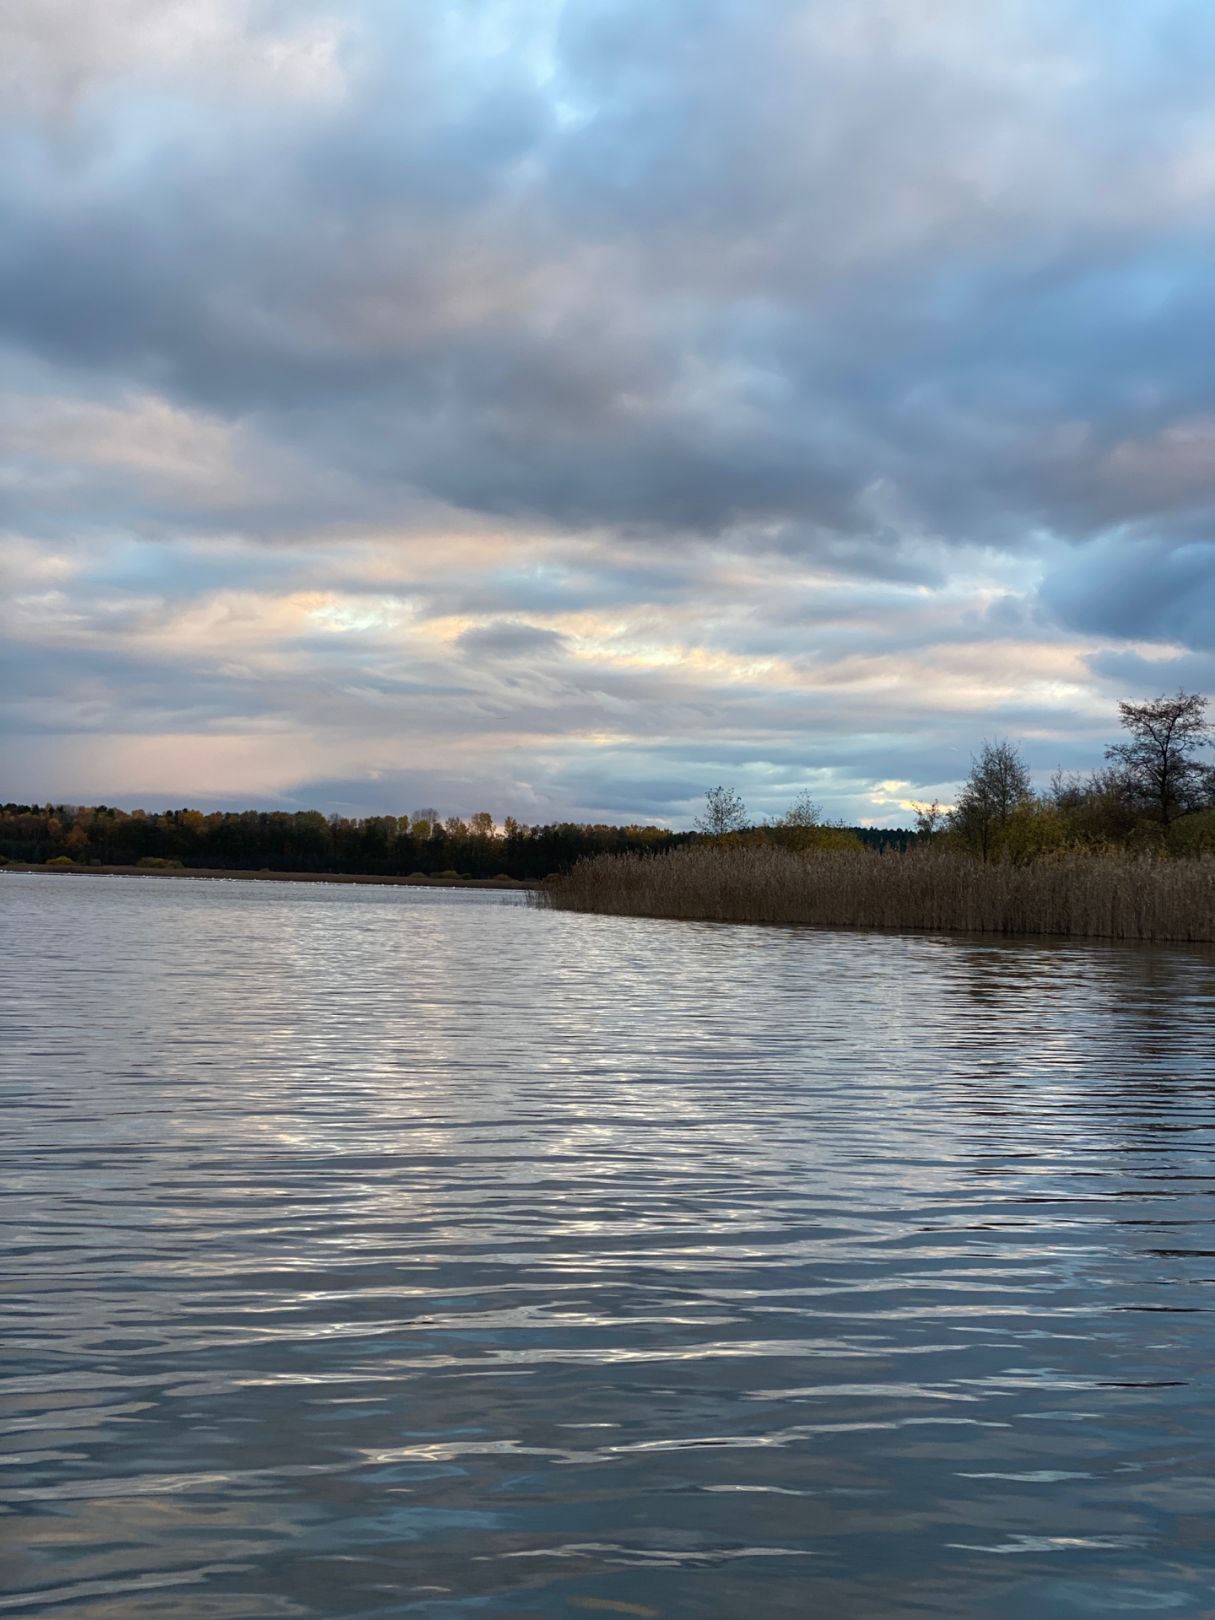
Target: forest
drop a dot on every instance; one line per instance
(307, 841)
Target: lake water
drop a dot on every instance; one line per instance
(381, 1253)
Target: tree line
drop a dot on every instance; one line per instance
(423, 844)
(307, 841)
(1155, 791)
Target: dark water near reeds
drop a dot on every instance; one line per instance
(376, 1253)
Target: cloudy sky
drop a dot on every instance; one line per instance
(561, 406)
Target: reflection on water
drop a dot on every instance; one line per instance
(383, 1253)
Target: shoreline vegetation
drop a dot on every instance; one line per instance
(1127, 852)
(1111, 895)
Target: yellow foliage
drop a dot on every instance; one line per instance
(1193, 834)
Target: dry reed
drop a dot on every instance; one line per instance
(1105, 896)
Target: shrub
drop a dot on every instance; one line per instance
(1193, 834)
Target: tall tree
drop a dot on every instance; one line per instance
(1158, 764)
(998, 784)
(724, 812)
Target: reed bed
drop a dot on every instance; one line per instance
(1096, 896)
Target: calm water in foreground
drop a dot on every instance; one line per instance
(377, 1253)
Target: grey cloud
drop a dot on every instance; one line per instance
(398, 792)
(510, 641)
(1131, 675)
(685, 307)
(1137, 590)
(629, 793)
(74, 690)
(599, 575)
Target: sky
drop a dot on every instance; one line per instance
(560, 407)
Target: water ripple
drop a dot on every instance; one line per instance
(377, 1253)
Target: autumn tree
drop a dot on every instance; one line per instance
(77, 841)
(423, 823)
(803, 812)
(1158, 763)
(724, 812)
(998, 786)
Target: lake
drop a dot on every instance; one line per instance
(372, 1252)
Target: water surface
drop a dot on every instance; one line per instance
(372, 1252)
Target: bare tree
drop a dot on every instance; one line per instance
(998, 784)
(929, 818)
(1157, 764)
(724, 812)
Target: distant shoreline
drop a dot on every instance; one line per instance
(213, 873)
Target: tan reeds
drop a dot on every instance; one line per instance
(1105, 896)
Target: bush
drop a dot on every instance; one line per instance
(61, 860)
(159, 863)
(1193, 834)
